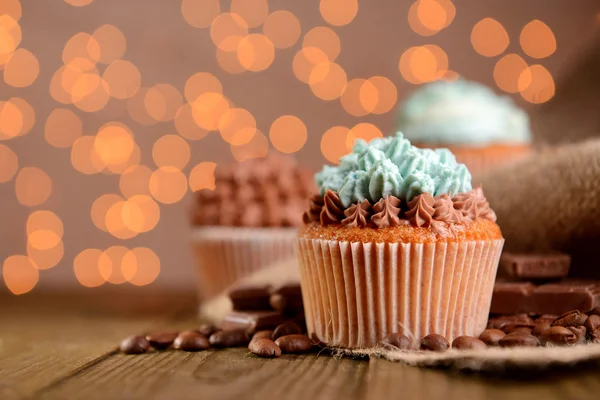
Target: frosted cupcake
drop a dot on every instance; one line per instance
(397, 241)
(482, 129)
(249, 221)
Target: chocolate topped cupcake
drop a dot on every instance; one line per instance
(249, 220)
(397, 241)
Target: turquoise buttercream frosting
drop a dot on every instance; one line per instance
(392, 166)
(462, 112)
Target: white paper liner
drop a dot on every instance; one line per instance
(227, 254)
(355, 294)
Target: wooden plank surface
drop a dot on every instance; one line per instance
(63, 347)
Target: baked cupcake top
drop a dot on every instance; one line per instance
(462, 112)
(265, 192)
(389, 183)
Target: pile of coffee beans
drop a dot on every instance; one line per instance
(286, 338)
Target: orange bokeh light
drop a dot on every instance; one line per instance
(421, 64)
(44, 220)
(351, 98)
(338, 12)
(114, 143)
(100, 208)
(133, 160)
(136, 108)
(63, 127)
(428, 17)
(537, 39)
(45, 259)
(140, 213)
(86, 268)
(229, 62)
(110, 264)
(333, 143)
(112, 43)
(363, 131)
(162, 102)
(226, 31)
(489, 38)
(288, 134)
(202, 176)
(32, 186)
(11, 8)
(200, 83)
(186, 125)
(90, 93)
(171, 150)
(328, 81)
(140, 266)
(258, 147)
(22, 69)
(507, 72)
(200, 13)
(78, 3)
(303, 63)
(135, 180)
(208, 110)
(43, 239)
(115, 222)
(255, 52)
(81, 45)
(10, 37)
(282, 28)
(237, 126)
(27, 113)
(123, 79)
(168, 185)
(253, 12)
(11, 120)
(20, 274)
(9, 163)
(536, 84)
(84, 157)
(322, 38)
(387, 95)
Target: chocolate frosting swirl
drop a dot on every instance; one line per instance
(483, 206)
(386, 212)
(333, 210)
(315, 205)
(357, 215)
(421, 210)
(444, 209)
(466, 203)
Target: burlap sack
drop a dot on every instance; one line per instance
(551, 201)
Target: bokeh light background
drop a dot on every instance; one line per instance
(112, 112)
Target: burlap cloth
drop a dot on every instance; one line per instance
(550, 201)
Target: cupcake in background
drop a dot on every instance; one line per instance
(249, 220)
(397, 242)
(482, 129)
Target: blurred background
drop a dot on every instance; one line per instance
(112, 112)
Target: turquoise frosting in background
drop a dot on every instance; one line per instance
(462, 112)
(392, 166)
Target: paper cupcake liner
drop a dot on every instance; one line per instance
(226, 254)
(355, 294)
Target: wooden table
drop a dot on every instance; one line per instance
(63, 346)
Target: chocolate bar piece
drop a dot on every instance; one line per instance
(250, 298)
(252, 321)
(535, 266)
(550, 298)
(287, 299)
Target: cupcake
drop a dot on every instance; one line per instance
(397, 241)
(482, 129)
(248, 221)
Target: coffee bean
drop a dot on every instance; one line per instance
(595, 335)
(519, 339)
(262, 334)
(557, 336)
(294, 343)
(594, 311)
(540, 327)
(264, 347)
(571, 318)
(161, 340)
(517, 327)
(287, 328)
(191, 341)
(207, 329)
(579, 332)
(546, 318)
(468, 343)
(397, 340)
(592, 323)
(232, 338)
(501, 321)
(277, 301)
(491, 336)
(434, 342)
(135, 345)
